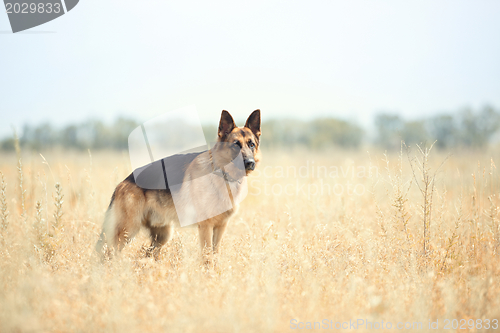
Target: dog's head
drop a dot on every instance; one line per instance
(244, 139)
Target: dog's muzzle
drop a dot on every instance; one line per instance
(249, 164)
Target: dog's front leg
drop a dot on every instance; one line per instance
(218, 233)
(206, 233)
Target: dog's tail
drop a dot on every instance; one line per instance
(106, 240)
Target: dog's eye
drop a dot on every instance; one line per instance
(238, 144)
(251, 144)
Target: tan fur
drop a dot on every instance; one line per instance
(133, 207)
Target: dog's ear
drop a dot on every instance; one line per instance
(226, 125)
(253, 123)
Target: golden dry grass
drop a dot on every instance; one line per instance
(304, 255)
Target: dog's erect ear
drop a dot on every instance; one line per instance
(253, 123)
(226, 124)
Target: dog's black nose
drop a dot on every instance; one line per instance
(249, 164)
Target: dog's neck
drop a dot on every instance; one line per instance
(219, 171)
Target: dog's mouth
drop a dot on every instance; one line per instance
(248, 172)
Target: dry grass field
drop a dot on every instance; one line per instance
(332, 236)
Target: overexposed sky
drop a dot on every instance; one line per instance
(302, 59)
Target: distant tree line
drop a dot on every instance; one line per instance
(93, 134)
(314, 134)
(466, 128)
(319, 133)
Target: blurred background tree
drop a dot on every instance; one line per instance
(389, 128)
(478, 128)
(443, 128)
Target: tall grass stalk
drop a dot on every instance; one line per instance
(425, 181)
(4, 213)
(400, 189)
(58, 202)
(22, 191)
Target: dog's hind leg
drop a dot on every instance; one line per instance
(159, 236)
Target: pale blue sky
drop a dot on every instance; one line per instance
(302, 59)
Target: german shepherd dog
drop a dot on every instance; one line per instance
(133, 207)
